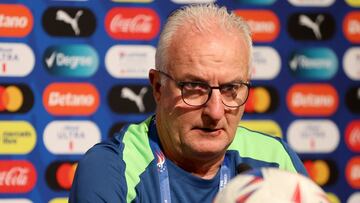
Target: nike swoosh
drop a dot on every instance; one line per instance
(50, 61)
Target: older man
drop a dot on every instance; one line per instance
(192, 146)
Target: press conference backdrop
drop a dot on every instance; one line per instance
(73, 72)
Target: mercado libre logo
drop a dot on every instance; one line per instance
(60, 174)
(69, 21)
(262, 99)
(264, 24)
(132, 23)
(351, 26)
(17, 176)
(314, 63)
(71, 60)
(16, 20)
(64, 99)
(312, 99)
(322, 172)
(16, 60)
(15, 98)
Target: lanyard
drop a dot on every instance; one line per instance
(163, 170)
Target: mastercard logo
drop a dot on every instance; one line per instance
(352, 136)
(322, 172)
(15, 98)
(352, 172)
(16, 20)
(60, 175)
(351, 26)
(262, 99)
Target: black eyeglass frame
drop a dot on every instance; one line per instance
(181, 85)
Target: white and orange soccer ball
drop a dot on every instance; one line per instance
(271, 185)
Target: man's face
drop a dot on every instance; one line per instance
(200, 133)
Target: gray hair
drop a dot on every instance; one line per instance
(202, 16)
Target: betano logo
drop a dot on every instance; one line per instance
(132, 23)
(352, 172)
(312, 99)
(264, 24)
(71, 137)
(60, 175)
(15, 98)
(17, 176)
(312, 3)
(352, 136)
(16, 137)
(262, 99)
(16, 60)
(313, 136)
(265, 63)
(314, 63)
(354, 3)
(16, 20)
(130, 61)
(71, 60)
(351, 26)
(71, 99)
(350, 63)
(322, 172)
(268, 127)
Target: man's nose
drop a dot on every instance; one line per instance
(215, 108)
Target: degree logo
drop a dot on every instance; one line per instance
(132, 23)
(352, 136)
(16, 20)
(268, 127)
(71, 99)
(262, 99)
(350, 63)
(16, 60)
(16, 137)
(322, 172)
(266, 63)
(312, 99)
(352, 172)
(351, 26)
(352, 99)
(15, 98)
(60, 174)
(17, 176)
(264, 24)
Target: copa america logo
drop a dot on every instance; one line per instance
(160, 161)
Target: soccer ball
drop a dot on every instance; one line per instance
(271, 185)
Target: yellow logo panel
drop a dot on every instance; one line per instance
(354, 3)
(16, 137)
(59, 200)
(269, 127)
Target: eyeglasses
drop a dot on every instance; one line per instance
(197, 94)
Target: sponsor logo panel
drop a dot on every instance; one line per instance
(352, 99)
(352, 136)
(71, 60)
(13, 200)
(354, 197)
(311, 3)
(311, 26)
(17, 176)
(352, 172)
(16, 137)
(312, 99)
(130, 61)
(16, 60)
(332, 197)
(71, 137)
(132, 23)
(15, 98)
(192, 1)
(314, 63)
(322, 172)
(69, 21)
(269, 127)
(60, 174)
(131, 99)
(264, 24)
(354, 3)
(351, 26)
(266, 63)
(16, 20)
(256, 2)
(59, 200)
(313, 136)
(262, 99)
(71, 99)
(351, 63)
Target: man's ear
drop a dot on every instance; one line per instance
(155, 82)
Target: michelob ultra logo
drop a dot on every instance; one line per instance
(71, 99)
(16, 20)
(312, 99)
(15, 98)
(266, 63)
(312, 3)
(268, 127)
(314, 63)
(17, 176)
(351, 63)
(71, 60)
(16, 137)
(351, 26)
(16, 60)
(15, 200)
(257, 2)
(264, 24)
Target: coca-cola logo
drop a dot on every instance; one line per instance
(132, 23)
(17, 176)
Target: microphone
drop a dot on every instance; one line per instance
(242, 167)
